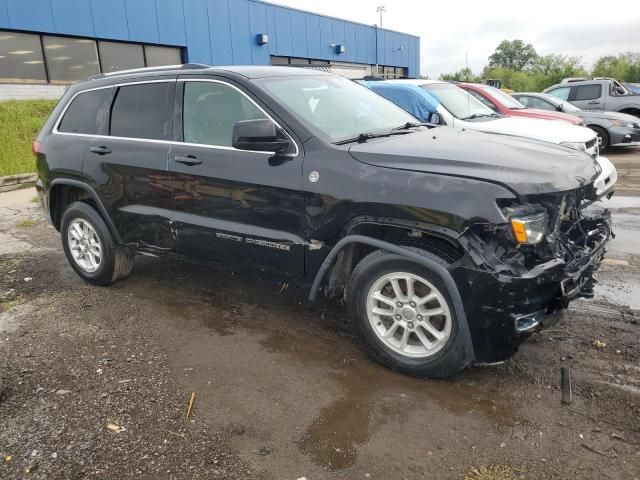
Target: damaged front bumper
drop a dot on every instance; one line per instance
(504, 308)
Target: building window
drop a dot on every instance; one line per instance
(120, 56)
(279, 60)
(21, 58)
(160, 56)
(70, 59)
(401, 72)
(299, 61)
(33, 58)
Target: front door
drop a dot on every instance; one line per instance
(234, 207)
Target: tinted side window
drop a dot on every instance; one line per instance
(211, 110)
(588, 92)
(141, 111)
(85, 112)
(560, 92)
(532, 102)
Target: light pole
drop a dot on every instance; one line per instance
(381, 9)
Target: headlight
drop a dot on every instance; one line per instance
(530, 229)
(624, 123)
(575, 145)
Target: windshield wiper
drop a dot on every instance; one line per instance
(480, 115)
(409, 125)
(363, 137)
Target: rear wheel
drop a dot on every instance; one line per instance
(603, 137)
(404, 315)
(90, 247)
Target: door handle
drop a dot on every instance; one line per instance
(595, 102)
(100, 150)
(187, 159)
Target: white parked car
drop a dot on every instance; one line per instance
(457, 108)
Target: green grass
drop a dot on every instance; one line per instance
(11, 303)
(26, 223)
(20, 121)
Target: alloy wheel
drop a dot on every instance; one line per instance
(409, 314)
(84, 245)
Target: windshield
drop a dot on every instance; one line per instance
(507, 100)
(334, 108)
(457, 101)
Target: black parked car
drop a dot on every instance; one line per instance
(449, 246)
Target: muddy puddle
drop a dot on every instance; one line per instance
(295, 336)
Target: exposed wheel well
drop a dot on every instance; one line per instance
(631, 111)
(351, 255)
(61, 196)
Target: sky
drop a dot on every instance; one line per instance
(449, 30)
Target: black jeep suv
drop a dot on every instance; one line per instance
(449, 246)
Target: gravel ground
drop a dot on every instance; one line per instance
(97, 381)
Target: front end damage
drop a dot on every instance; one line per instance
(511, 290)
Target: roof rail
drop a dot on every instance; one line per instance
(185, 66)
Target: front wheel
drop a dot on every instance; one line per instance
(404, 315)
(90, 247)
(603, 138)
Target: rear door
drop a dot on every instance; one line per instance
(82, 119)
(127, 165)
(241, 208)
(588, 97)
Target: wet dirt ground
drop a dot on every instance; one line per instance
(282, 389)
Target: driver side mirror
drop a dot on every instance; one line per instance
(258, 135)
(435, 118)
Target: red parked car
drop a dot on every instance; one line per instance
(505, 104)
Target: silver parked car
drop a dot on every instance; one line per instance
(614, 129)
(598, 94)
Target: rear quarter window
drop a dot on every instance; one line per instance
(85, 113)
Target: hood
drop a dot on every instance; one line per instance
(554, 132)
(524, 166)
(604, 115)
(549, 115)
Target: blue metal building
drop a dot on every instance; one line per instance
(60, 41)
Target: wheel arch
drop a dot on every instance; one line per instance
(434, 238)
(630, 110)
(409, 254)
(64, 191)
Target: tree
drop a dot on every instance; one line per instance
(625, 67)
(551, 69)
(462, 75)
(514, 55)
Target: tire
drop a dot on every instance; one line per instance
(603, 137)
(441, 361)
(113, 263)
